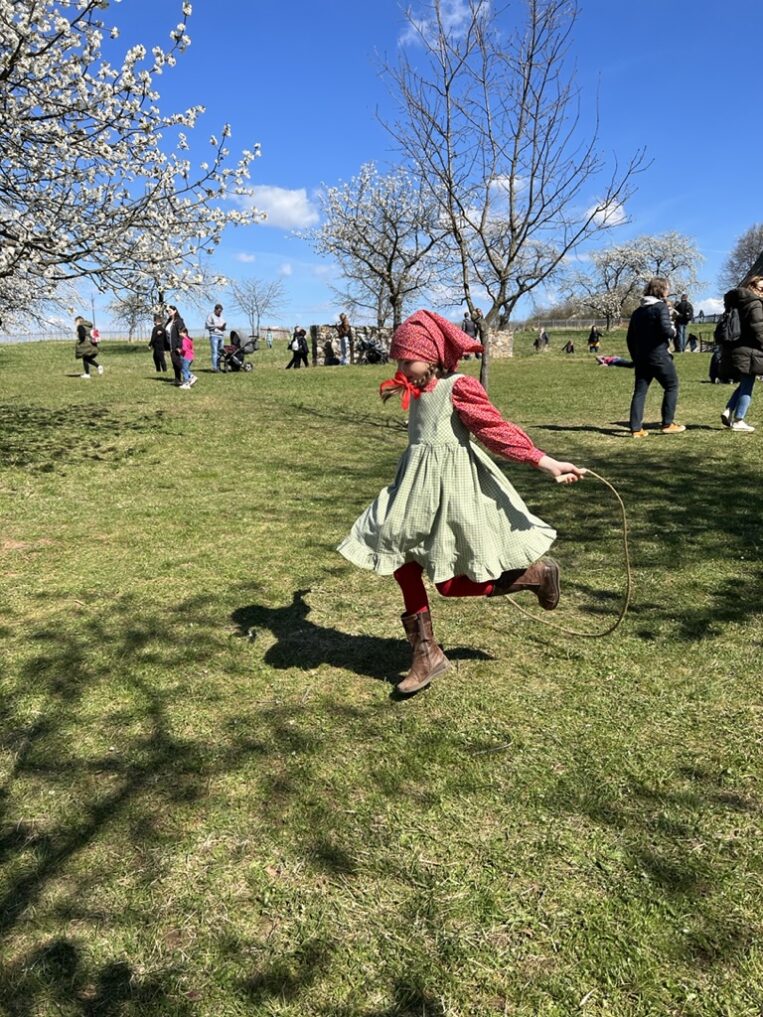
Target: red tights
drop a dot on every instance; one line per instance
(411, 584)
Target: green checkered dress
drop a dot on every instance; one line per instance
(449, 508)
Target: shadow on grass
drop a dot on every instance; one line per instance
(45, 439)
(58, 976)
(658, 831)
(150, 773)
(689, 513)
(303, 644)
(123, 786)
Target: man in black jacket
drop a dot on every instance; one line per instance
(685, 313)
(649, 331)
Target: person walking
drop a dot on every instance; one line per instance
(468, 326)
(215, 326)
(159, 345)
(299, 349)
(743, 360)
(649, 332)
(85, 349)
(296, 359)
(684, 316)
(450, 510)
(175, 327)
(186, 357)
(302, 348)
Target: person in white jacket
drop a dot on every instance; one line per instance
(215, 325)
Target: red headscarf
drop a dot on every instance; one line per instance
(429, 337)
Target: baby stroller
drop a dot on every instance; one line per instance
(233, 356)
(372, 352)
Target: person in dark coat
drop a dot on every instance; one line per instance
(649, 332)
(175, 327)
(684, 317)
(85, 349)
(159, 345)
(299, 349)
(743, 360)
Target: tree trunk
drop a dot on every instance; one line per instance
(483, 334)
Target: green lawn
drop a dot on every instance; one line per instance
(211, 804)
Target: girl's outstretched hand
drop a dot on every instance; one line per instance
(563, 473)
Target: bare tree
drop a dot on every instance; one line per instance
(383, 231)
(616, 274)
(132, 309)
(744, 254)
(363, 295)
(257, 298)
(491, 122)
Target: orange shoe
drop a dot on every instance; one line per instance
(673, 428)
(640, 434)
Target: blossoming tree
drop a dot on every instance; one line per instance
(95, 180)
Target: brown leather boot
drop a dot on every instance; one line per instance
(541, 578)
(428, 658)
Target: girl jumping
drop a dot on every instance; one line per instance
(450, 510)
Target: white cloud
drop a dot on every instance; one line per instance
(713, 305)
(245, 258)
(286, 269)
(456, 16)
(286, 209)
(611, 214)
(323, 271)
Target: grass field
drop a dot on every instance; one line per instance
(212, 805)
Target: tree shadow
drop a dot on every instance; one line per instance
(657, 831)
(123, 800)
(302, 644)
(58, 975)
(620, 429)
(693, 516)
(44, 439)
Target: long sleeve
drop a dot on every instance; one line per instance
(471, 403)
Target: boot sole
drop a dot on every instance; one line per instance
(410, 689)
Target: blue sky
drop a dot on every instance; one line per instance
(304, 80)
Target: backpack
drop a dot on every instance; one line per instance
(729, 328)
(294, 345)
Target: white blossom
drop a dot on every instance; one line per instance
(90, 186)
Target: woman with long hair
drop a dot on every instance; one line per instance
(743, 360)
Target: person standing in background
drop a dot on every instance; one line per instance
(215, 325)
(346, 340)
(684, 316)
(649, 332)
(175, 327)
(159, 345)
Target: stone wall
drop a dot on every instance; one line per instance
(501, 343)
(319, 335)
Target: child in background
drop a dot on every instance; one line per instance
(450, 510)
(186, 354)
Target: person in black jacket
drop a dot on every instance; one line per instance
(85, 349)
(299, 349)
(743, 360)
(159, 345)
(684, 317)
(649, 331)
(175, 327)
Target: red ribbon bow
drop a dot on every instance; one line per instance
(406, 388)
